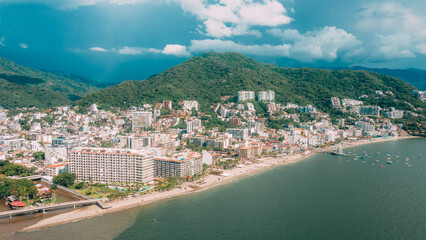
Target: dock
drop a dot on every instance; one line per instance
(74, 204)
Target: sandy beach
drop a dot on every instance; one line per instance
(207, 182)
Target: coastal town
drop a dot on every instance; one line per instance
(117, 153)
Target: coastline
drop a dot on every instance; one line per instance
(188, 188)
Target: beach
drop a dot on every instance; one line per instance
(205, 183)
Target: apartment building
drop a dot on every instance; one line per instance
(180, 165)
(102, 165)
(266, 96)
(245, 95)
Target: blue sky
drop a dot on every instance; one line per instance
(115, 40)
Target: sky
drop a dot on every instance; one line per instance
(116, 40)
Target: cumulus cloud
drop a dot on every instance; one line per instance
(326, 44)
(2, 41)
(23, 45)
(176, 49)
(98, 49)
(398, 31)
(227, 18)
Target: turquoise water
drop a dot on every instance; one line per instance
(324, 197)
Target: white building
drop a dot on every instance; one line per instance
(267, 96)
(55, 169)
(112, 165)
(245, 95)
(189, 105)
(141, 119)
(52, 155)
(93, 108)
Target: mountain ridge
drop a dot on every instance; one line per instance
(26, 87)
(210, 76)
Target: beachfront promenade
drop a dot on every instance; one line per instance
(73, 204)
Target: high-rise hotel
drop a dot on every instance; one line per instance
(103, 165)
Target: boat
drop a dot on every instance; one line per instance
(381, 166)
(389, 162)
(17, 204)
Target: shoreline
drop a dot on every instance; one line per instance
(210, 181)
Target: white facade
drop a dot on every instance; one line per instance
(112, 165)
(267, 96)
(141, 119)
(54, 154)
(245, 95)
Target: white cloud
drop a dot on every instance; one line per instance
(23, 45)
(98, 49)
(326, 44)
(176, 49)
(135, 50)
(398, 31)
(226, 18)
(2, 41)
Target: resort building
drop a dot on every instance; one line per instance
(245, 95)
(180, 165)
(106, 165)
(393, 113)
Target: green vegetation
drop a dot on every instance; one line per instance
(10, 169)
(26, 87)
(210, 76)
(65, 179)
(18, 187)
(168, 184)
(38, 155)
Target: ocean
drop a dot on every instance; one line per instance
(322, 197)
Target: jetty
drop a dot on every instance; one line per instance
(43, 209)
(84, 201)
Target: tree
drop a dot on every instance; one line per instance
(39, 155)
(65, 179)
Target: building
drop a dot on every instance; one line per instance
(109, 165)
(245, 95)
(192, 125)
(93, 108)
(68, 142)
(393, 113)
(347, 102)
(235, 122)
(139, 142)
(167, 105)
(189, 105)
(184, 164)
(370, 111)
(141, 120)
(266, 96)
(55, 169)
(238, 133)
(3, 117)
(52, 154)
(335, 102)
(421, 95)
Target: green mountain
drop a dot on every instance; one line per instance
(210, 76)
(26, 87)
(416, 77)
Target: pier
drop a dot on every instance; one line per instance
(29, 210)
